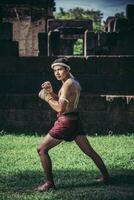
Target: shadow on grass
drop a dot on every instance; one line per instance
(80, 184)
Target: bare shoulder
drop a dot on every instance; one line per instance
(68, 84)
(71, 82)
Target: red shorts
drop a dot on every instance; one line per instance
(67, 127)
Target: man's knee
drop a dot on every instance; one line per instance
(42, 150)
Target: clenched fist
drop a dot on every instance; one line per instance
(45, 95)
(47, 86)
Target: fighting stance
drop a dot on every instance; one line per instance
(68, 126)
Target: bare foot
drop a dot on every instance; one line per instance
(103, 179)
(46, 186)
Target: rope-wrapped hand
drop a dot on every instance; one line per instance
(45, 95)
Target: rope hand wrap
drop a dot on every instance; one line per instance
(45, 95)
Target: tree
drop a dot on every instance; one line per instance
(120, 15)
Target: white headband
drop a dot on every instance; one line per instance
(61, 64)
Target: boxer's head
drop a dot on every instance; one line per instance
(61, 68)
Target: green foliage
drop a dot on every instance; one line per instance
(80, 13)
(74, 172)
(78, 47)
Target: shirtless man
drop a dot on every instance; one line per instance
(68, 125)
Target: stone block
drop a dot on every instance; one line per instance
(111, 39)
(1, 14)
(6, 31)
(92, 103)
(90, 43)
(125, 44)
(78, 65)
(20, 83)
(9, 48)
(25, 120)
(72, 31)
(103, 39)
(55, 24)
(21, 101)
(130, 106)
(121, 25)
(43, 44)
(53, 43)
(107, 65)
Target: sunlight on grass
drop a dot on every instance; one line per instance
(74, 172)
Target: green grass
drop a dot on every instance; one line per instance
(74, 172)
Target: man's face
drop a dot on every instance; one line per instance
(61, 73)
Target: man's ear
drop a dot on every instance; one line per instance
(67, 70)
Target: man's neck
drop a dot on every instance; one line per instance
(63, 81)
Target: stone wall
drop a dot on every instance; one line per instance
(114, 43)
(106, 101)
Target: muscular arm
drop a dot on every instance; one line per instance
(55, 96)
(60, 105)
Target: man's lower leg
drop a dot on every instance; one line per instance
(100, 164)
(47, 166)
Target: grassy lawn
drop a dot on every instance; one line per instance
(74, 172)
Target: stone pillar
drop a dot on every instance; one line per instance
(90, 43)
(130, 16)
(6, 31)
(111, 26)
(8, 47)
(112, 39)
(53, 43)
(125, 43)
(1, 15)
(121, 25)
(102, 39)
(42, 44)
(102, 44)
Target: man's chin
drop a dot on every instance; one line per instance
(58, 78)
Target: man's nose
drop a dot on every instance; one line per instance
(57, 73)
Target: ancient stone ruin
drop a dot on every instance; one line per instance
(30, 39)
(20, 23)
(25, 31)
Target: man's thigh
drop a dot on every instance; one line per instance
(83, 143)
(49, 142)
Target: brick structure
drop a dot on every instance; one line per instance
(68, 33)
(28, 18)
